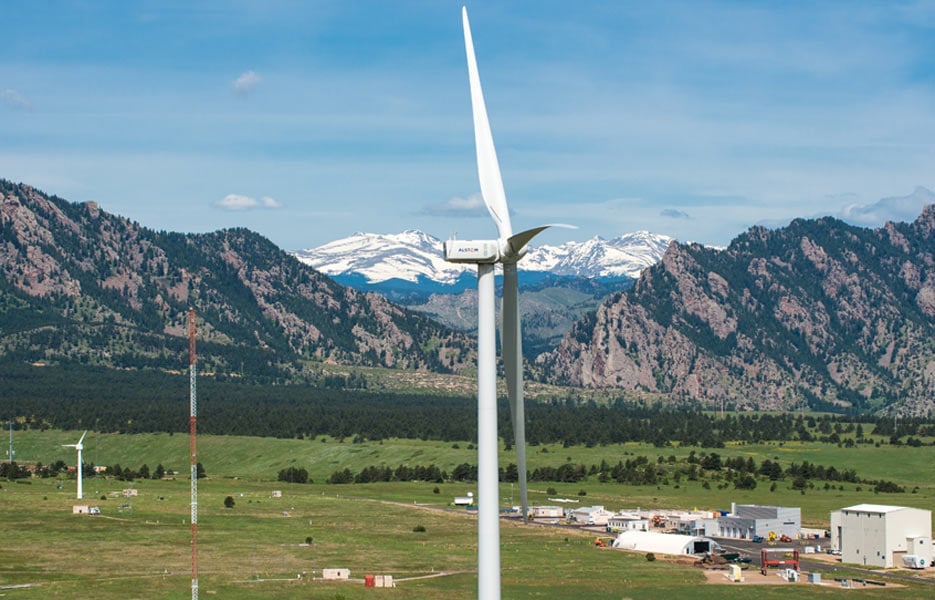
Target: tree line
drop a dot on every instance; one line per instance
(152, 401)
(639, 470)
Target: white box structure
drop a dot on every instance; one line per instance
(879, 535)
(336, 574)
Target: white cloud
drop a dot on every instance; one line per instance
(472, 206)
(240, 202)
(897, 209)
(245, 83)
(15, 99)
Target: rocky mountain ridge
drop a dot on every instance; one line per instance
(819, 313)
(80, 285)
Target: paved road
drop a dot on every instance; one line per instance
(834, 568)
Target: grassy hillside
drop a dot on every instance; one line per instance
(139, 547)
(261, 459)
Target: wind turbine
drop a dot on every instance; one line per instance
(79, 447)
(506, 250)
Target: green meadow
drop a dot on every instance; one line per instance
(271, 547)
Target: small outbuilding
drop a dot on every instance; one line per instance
(664, 543)
(336, 574)
(880, 535)
(548, 512)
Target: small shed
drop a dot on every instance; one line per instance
(547, 512)
(276, 494)
(80, 509)
(464, 500)
(336, 574)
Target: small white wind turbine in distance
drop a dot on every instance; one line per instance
(79, 447)
(506, 250)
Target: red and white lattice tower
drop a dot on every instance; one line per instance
(194, 454)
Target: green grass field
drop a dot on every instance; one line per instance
(139, 547)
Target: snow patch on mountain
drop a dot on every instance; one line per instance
(415, 255)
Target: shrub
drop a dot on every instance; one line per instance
(888, 487)
(650, 557)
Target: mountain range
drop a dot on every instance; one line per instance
(412, 261)
(80, 285)
(819, 313)
(559, 284)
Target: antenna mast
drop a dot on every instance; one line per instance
(193, 450)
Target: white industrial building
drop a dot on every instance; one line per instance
(698, 526)
(879, 535)
(591, 515)
(627, 522)
(664, 543)
(747, 521)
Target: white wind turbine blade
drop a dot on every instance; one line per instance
(81, 440)
(488, 169)
(511, 336)
(516, 244)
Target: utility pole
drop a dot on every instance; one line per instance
(193, 450)
(11, 442)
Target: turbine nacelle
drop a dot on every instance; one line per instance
(505, 251)
(79, 445)
(472, 251)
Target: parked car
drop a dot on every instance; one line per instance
(758, 539)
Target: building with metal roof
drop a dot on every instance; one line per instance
(664, 543)
(880, 535)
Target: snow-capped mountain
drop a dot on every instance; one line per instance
(620, 257)
(409, 256)
(414, 256)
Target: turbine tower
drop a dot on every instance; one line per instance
(506, 250)
(79, 447)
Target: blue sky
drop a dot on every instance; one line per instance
(309, 121)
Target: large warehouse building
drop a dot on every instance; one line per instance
(879, 535)
(747, 521)
(664, 543)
